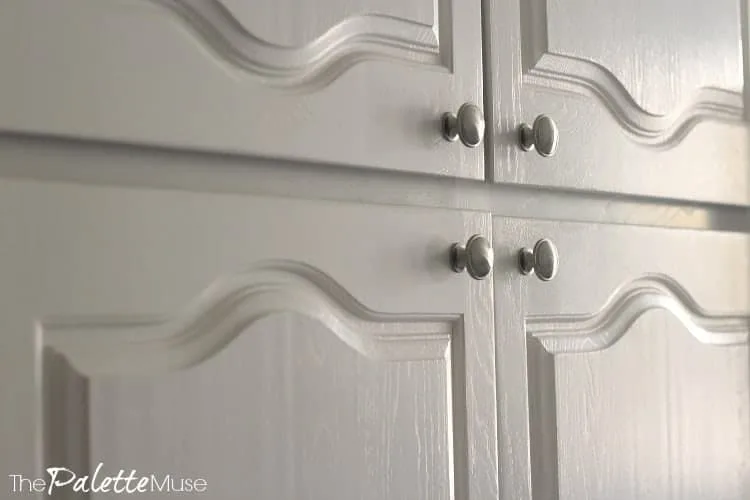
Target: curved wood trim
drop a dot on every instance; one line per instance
(355, 39)
(593, 332)
(147, 345)
(660, 131)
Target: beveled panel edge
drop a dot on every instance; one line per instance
(137, 345)
(580, 333)
(318, 63)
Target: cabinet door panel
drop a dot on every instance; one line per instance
(636, 362)
(647, 96)
(347, 82)
(275, 348)
(657, 415)
(664, 59)
(289, 410)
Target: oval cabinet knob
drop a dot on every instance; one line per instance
(476, 257)
(542, 260)
(542, 136)
(467, 125)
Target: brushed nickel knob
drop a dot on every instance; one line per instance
(476, 257)
(467, 125)
(542, 260)
(542, 136)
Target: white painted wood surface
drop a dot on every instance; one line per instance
(647, 96)
(635, 359)
(347, 82)
(91, 163)
(280, 348)
(227, 316)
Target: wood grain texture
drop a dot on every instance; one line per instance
(646, 102)
(416, 425)
(580, 333)
(666, 65)
(269, 19)
(125, 345)
(646, 397)
(107, 164)
(194, 75)
(353, 39)
(308, 418)
(661, 131)
(656, 416)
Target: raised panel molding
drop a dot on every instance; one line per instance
(133, 345)
(75, 350)
(580, 333)
(353, 40)
(550, 335)
(546, 69)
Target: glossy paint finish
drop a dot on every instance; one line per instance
(634, 359)
(194, 279)
(356, 82)
(269, 361)
(46, 159)
(647, 96)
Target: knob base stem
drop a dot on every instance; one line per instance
(526, 137)
(458, 257)
(526, 261)
(449, 125)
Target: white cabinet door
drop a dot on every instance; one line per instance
(273, 348)
(646, 95)
(348, 82)
(636, 361)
